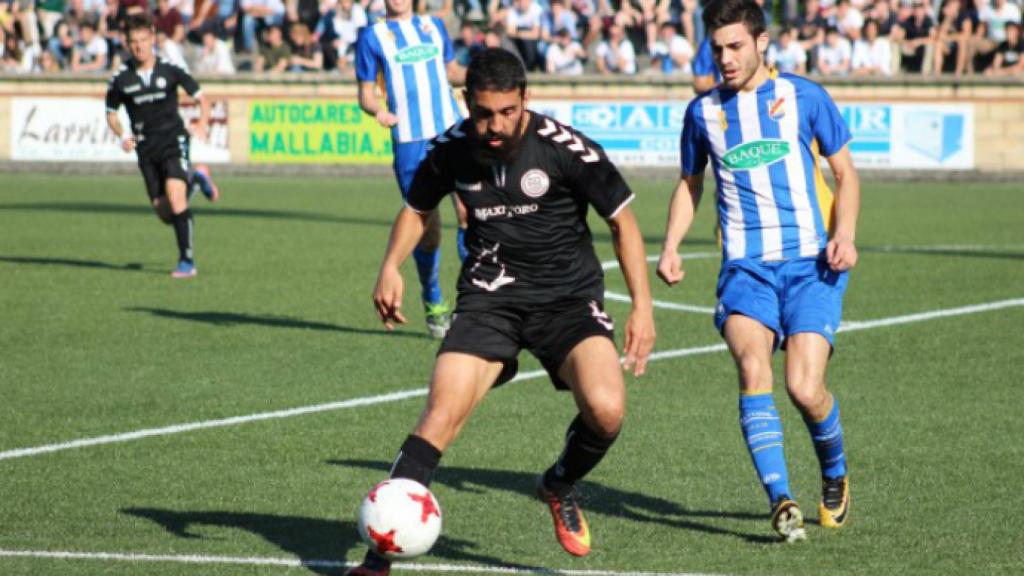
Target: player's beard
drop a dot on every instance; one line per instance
(485, 155)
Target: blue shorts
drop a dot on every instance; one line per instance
(792, 296)
(408, 156)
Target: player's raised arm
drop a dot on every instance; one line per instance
(841, 249)
(387, 294)
(681, 210)
(629, 248)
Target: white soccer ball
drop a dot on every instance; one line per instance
(400, 518)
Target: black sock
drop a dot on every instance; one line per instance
(416, 460)
(584, 449)
(184, 231)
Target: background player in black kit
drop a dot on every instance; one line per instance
(148, 88)
(531, 280)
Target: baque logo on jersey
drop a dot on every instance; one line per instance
(755, 154)
(416, 54)
(535, 183)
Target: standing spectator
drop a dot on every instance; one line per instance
(186, 8)
(918, 35)
(168, 20)
(565, 56)
(672, 53)
(615, 55)
(91, 51)
(25, 14)
(563, 17)
(256, 15)
(881, 12)
(992, 31)
(221, 16)
(215, 56)
(523, 24)
(786, 55)
(956, 25)
(170, 51)
(834, 55)
(274, 54)
(1008, 55)
(47, 62)
(872, 54)
(306, 55)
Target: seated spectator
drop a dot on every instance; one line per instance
(47, 63)
(615, 54)
(306, 54)
(881, 12)
(671, 53)
(523, 25)
(918, 34)
(638, 19)
(786, 54)
(220, 16)
(274, 54)
(952, 37)
(589, 19)
(170, 50)
(338, 30)
(810, 32)
(834, 55)
(470, 40)
(1008, 55)
(848, 18)
(10, 51)
(872, 55)
(91, 52)
(257, 14)
(62, 45)
(565, 56)
(215, 56)
(186, 8)
(169, 21)
(991, 31)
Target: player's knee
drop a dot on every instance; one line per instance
(807, 393)
(606, 417)
(755, 373)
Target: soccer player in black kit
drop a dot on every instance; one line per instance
(532, 280)
(148, 88)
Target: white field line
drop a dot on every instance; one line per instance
(395, 396)
(661, 304)
(315, 563)
(613, 264)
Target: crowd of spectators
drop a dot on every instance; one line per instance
(563, 37)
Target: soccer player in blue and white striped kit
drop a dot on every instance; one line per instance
(413, 58)
(787, 245)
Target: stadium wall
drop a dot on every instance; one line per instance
(906, 124)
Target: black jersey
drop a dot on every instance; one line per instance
(152, 102)
(528, 238)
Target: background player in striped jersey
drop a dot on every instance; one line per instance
(414, 58)
(786, 246)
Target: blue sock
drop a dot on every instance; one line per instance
(460, 243)
(428, 266)
(762, 430)
(828, 442)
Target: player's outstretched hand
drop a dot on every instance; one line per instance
(670, 267)
(387, 297)
(841, 254)
(128, 143)
(639, 340)
(386, 119)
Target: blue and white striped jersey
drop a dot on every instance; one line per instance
(409, 57)
(773, 202)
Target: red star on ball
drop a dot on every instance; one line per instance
(385, 542)
(428, 506)
(373, 493)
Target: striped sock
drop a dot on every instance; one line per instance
(828, 442)
(762, 430)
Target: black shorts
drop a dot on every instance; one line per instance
(549, 333)
(165, 163)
